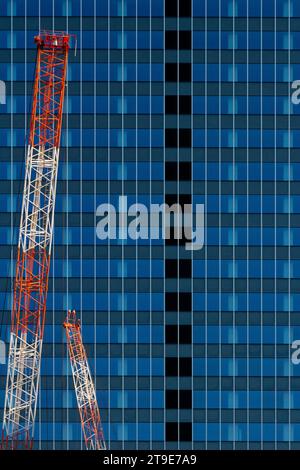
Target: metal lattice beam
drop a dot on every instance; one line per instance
(35, 240)
(84, 386)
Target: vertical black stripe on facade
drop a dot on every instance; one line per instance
(178, 263)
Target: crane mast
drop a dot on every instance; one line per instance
(84, 387)
(35, 240)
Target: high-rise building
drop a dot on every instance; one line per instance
(168, 101)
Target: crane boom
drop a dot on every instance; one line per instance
(84, 387)
(35, 240)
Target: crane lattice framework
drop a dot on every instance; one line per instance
(84, 386)
(35, 239)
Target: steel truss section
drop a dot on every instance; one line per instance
(84, 386)
(35, 240)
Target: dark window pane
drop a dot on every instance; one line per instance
(185, 8)
(172, 399)
(171, 431)
(171, 40)
(185, 72)
(185, 399)
(185, 334)
(171, 169)
(185, 199)
(171, 104)
(185, 40)
(171, 266)
(185, 268)
(185, 104)
(171, 7)
(171, 199)
(185, 171)
(171, 334)
(171, 72)
(172, 366)
(185, 431)
(185, 138)
(185, 301)
(185, 366)
(171, 301)
(171, 140)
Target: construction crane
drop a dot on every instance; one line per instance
(84, 387)
(35, 240)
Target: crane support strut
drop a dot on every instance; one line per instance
(84, 386)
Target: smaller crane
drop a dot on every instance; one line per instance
(84, 387)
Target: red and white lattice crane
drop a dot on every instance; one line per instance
(35, 240)
(84, 386)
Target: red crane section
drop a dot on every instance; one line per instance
(84, 387)
(35, 240)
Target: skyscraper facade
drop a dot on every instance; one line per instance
(175, 101)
